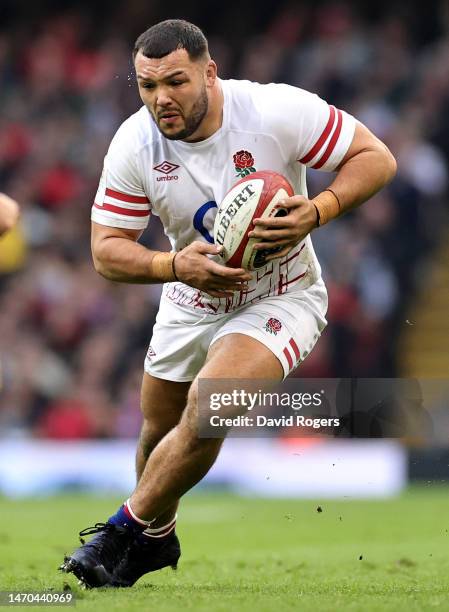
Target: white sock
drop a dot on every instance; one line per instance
(161, 532)
(133, 516)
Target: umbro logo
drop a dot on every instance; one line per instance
(166, 168)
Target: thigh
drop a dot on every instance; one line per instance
(240, 356)
(235, 362)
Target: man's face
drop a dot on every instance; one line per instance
(174, 89)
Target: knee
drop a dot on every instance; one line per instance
(208, 398)
(196, 420)
(191, 412)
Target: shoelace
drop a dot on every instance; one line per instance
(113, 547)
(97, 528)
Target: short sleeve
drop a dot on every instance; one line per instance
(326, 133)
(120, 200)
(308, 129)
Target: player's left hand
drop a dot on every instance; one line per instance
(285, 232)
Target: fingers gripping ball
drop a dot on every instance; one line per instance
(255, 196)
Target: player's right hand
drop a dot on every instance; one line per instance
(194, 267)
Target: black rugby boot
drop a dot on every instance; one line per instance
(146, 555)
(94, 562)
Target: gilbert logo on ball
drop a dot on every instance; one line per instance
(254, 196)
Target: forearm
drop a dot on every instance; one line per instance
(126, 261)
(359, 177)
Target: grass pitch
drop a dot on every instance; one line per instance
(252, 554)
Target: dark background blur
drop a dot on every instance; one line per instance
(73, 344)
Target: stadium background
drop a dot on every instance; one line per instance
(73, 344)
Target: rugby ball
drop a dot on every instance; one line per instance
(255, 196)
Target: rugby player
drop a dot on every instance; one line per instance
(9, 213)
(193, 138)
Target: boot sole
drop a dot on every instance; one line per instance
(90, 579)
(128, 584)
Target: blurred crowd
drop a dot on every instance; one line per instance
(72, 344)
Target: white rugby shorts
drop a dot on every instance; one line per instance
(289, 325)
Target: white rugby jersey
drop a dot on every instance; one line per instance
(265, 127)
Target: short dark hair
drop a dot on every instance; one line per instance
(168, 36)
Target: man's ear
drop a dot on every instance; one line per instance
(211, 73)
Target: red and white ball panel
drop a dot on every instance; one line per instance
(255, 196)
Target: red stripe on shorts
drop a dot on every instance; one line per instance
(288, 357)
(295, 348)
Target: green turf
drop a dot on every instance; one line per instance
(252, 554)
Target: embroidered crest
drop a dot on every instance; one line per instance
(244, 163)
(273, 326)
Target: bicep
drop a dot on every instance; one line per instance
(100, 233)
(121, 200)
(363, 140)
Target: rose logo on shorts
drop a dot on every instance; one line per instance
(244, 163)
(273, 326)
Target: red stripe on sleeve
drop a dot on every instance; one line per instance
(125, 197)
(322, 139)
(295, 348)
(332, 142)
(129, 212)
(288, 357)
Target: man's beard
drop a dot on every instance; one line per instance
(193, 121)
